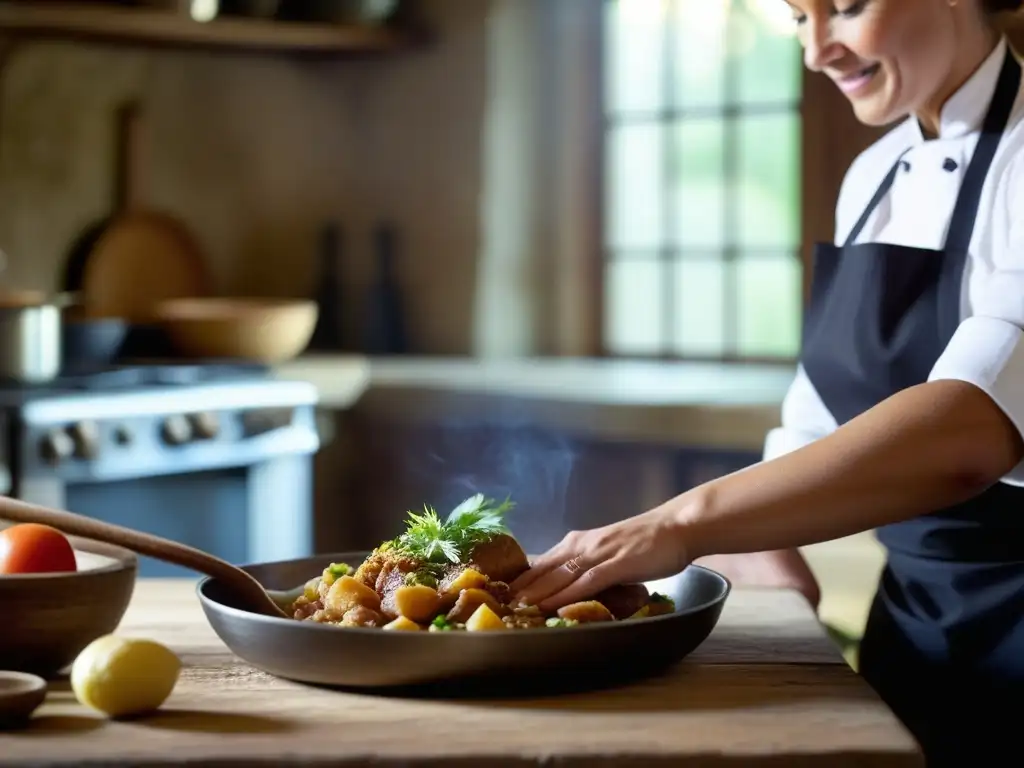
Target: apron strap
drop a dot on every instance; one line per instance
(881, 192)
(965, 212)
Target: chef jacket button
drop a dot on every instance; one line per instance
(905, 166)
(949, 164)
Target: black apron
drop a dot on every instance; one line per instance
(944, 643)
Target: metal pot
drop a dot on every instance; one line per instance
(30, 338)
(30, 335)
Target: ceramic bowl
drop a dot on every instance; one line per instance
(49, 618)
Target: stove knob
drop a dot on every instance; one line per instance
(86, 438)
(56, 446)
(205, 425)
(176, 430)
(123, 436)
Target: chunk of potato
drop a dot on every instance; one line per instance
(484, 620)
(468, 579)
(419, 603)
(348, 592)
(403, 624)
(469, 600)
(588, 611)
(121, 676)
(311, 591)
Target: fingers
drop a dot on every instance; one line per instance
(540, 567)
(536, 570)
(555, 580)
(585, 586)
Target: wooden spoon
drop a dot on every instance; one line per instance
(248, 591)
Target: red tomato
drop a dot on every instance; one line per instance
(32, 548)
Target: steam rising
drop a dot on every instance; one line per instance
(508, 457)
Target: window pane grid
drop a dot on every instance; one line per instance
(698, 254)
(615, 119)
(715, 236)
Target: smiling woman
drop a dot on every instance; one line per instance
(894, 58)
(906, 414)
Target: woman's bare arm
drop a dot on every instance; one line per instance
(923, 449)
(928, 447)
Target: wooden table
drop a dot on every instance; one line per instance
(767, 688)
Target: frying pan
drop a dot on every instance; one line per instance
(514, 662)
(504, 663)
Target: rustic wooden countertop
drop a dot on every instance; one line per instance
(767, 688)
(729, 406)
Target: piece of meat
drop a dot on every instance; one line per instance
(391, 577)
(361, 616)
(529, 617)
(370, 569)
(624, 600)
(500, 591)
(448, 574)
(469, 600)
(500, 558)
(304, 608)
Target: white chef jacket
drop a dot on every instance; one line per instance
(986, 349)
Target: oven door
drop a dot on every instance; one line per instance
(244, 514)
(242, 500)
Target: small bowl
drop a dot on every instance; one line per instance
(90, 343)
(20, 696)
(49, 618)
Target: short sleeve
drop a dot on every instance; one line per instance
(987, 349)
(804, 419)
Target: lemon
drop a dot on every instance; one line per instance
(122, 676)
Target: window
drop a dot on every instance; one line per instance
(702, 175)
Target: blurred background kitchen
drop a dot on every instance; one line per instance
(555, 249)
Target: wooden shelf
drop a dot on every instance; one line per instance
(133, 26)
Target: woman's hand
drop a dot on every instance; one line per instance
(642, 548)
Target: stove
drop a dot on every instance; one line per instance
(218, 455)
(137, 375)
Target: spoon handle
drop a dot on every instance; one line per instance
(137, 541)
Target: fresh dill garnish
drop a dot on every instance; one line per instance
(474, 521)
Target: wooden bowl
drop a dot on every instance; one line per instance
(49, 618)
(20, 696)
(262, 330)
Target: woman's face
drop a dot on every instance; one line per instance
(890, 58)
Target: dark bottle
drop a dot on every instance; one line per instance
(327, 336)
(385, 326)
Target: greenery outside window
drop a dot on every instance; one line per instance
(702, 176)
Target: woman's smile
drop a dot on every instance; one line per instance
(893, 58)
(858, 81)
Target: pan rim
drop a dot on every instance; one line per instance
(208, 602)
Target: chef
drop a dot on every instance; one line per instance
(907, 409)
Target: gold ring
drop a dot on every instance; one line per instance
(572, 566)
